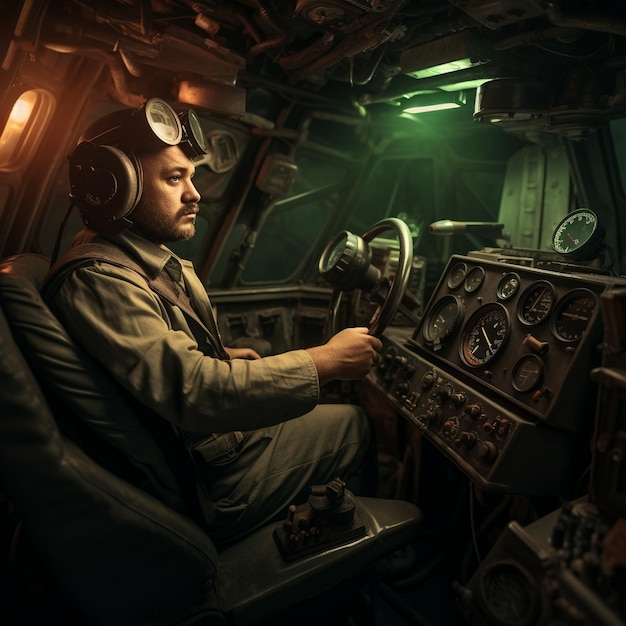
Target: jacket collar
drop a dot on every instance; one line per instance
(153, 257)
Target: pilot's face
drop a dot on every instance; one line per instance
(169, 203)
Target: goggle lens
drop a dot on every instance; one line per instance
(163, 121)
(193, 135)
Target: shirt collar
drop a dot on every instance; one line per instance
(153, 257)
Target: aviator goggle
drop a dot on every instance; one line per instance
(157, 120)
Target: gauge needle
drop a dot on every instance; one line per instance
(576, 316)
(532, 308)
(485, 336)
(572, 239)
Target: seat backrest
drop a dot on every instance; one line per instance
(99, 536)
(88, 404)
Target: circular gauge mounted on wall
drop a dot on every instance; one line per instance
(536, 302)
(474, 279)
(508, 286)
(573, 314)
(579, 236)
(457, 275)
(527, 373)
(443, 321)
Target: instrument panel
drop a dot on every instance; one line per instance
(524, 333)
(496, 373)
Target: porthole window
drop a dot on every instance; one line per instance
(24, 128)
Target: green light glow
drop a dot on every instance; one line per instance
(435, 102)
(444, 68)
(432, 107)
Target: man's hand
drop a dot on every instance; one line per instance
(242, 353)
(349, 355)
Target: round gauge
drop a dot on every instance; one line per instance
(457, 275)
(572, 314)
(443, 320)
(510, 594)
(484, 335)
(527, 373)
(508, 286)
(536, 303)
(474, 279)
(579, 236)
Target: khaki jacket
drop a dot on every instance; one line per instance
(147, 345)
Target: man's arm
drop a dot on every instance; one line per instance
(145, 343)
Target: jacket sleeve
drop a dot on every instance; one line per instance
(148, 348)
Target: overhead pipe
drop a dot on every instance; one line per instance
(364, 40)
(611, 25)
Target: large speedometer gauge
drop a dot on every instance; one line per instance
(484, 334)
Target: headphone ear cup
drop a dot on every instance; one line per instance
(106, 185)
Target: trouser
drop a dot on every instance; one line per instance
(277, 466)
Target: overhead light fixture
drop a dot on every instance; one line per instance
(465, 85)
(451, 54)
(442, 68)
(434, 102)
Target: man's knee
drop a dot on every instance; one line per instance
(358, 444)
(346, 418)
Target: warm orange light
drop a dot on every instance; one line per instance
(22, 109)
(13, 133)
(24, 128)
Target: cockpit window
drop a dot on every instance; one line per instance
(291, 226)
(401, 188)
(295, 222)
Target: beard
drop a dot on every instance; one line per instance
(159, 226)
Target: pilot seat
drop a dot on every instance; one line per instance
(117, 554)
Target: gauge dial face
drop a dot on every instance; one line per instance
(443, 321)
(508, 286)
(573, 314)
(474, 279)
(527, 373)
(536, 303)
(457, 275)
(485, 334)
(575, 236)
(510, 595)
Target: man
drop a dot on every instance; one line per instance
(253, 426)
